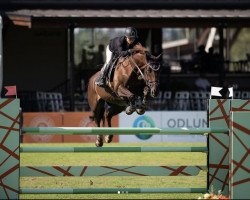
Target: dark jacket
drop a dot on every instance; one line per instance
(119, 47)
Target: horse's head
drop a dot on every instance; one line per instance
(149, 67)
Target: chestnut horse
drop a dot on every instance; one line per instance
(135, 79)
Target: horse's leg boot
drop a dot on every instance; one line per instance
(108, 138)
(99, 141)
(131, 108)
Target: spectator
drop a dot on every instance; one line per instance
(212, 61)
(98, 59)
(83, 64)
(200, 59)
(202, 84)
(215, 62)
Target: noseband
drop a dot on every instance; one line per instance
(149, 83)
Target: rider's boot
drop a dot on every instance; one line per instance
(101, 81)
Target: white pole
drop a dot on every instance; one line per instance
(210, 39)
(1, 56)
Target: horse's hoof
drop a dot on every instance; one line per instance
(98, 144)
(140, 111)
(130, 110)
(99, 141)
(108, 138)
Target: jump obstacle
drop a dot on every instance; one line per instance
(228, 160)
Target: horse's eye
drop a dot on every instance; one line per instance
(156, 66)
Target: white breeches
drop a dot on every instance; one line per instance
(108, 57)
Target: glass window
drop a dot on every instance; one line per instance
(90, 45)
(171, 34)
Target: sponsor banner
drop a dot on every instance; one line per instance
(175, 119)
(59, 119)
(150, 119)
(81, 119)
(78, 119)
(42, 120)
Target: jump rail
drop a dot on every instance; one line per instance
(111, 190)
(118, 131)
(111, 149)
(227, 148)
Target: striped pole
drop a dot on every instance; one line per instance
(119, 131)
(111, 149)
(110, 190)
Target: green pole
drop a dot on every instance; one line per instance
(118, 131)
(111, 149)
(110, 190)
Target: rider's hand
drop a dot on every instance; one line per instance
(125, 53)
(129, 52)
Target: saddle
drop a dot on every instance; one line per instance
(111, 66)
(110, 76)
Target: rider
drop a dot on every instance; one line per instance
(119, 46)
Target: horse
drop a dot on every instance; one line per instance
(134, 80)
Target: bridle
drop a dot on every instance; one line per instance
(148, 82)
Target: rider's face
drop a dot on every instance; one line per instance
(130, 40)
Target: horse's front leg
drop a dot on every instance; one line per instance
(142, 109)
(146, 92)
(124, 92)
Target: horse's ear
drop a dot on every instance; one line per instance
(150, 56)
(158, 57)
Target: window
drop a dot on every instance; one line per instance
(90, 45)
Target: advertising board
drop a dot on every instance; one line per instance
(175, 119)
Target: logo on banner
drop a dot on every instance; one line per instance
(87, 122)
(42, 121)
(144, 122)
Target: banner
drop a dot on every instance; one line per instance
(175, 119)
(42, 119)
(59, 119)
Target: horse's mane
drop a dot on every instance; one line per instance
(136, 49)
(139, 49)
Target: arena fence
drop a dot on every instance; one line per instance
(227, 151)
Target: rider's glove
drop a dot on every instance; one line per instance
(129, 52)
(125, 53)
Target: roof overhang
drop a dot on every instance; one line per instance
(123, 18)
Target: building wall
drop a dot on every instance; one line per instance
(34, 59)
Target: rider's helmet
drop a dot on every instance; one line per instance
(131, 33)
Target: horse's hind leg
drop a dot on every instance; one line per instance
(112, 111)
(99, 116)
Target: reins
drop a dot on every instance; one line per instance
(148, 82)
(134, 66)
(142, 75)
